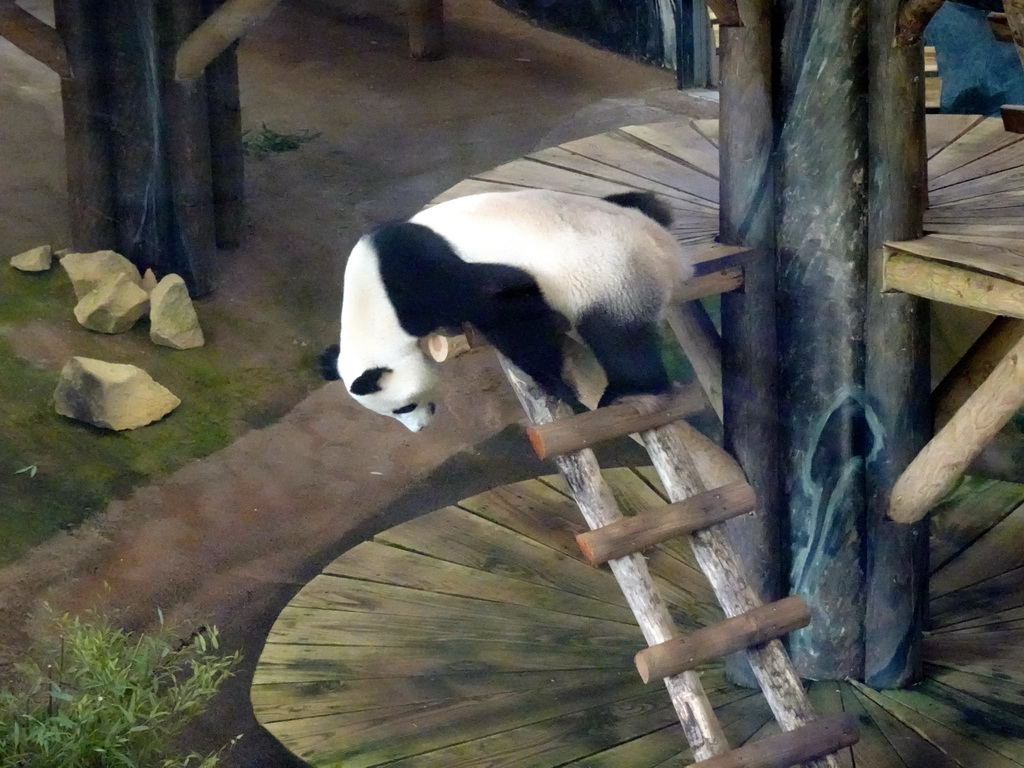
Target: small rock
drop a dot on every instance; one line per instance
(111, 395)
(172, 318)
(87, 270)
(33, 260)
(113, 306)
(149, 281)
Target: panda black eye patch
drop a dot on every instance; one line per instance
(405, 409)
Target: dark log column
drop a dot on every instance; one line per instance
(821, 262)
(749, 355)
(86, 139)
(897, 376)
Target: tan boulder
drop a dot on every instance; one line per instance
(172, 317)
(88, 270)
(111, 395)
(113, 306)
(34, 260)
(149, 281)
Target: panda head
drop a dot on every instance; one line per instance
(404, 389)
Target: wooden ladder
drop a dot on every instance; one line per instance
(698, 513)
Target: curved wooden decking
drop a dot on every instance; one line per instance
(476, 635)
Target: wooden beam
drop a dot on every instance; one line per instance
(727, 12)
(696, 334)
(757, 626)
(223, 27)
(822, 737)
(914, 17)
(897, 363)
(1015, 19)
(635, 534)
(750, 396)
(1000, 27)
(1013, 118)
(712, 284)
(943, 460)
(426, 29)
(635, 415)
(33, 36)
(943, 282)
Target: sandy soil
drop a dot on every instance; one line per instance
(229, 538)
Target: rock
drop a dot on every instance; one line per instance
(172, 318)
(111, 395)
(149, 281)
(87, 270)
(33, 260)
(113, 306)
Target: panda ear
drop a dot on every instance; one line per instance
(368, 381)
(328, 363)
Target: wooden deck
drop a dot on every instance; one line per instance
(476, 635)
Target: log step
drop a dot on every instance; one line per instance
(635, 534)
(754, 627)
(816, 739)
(584, 430)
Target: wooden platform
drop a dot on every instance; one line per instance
(477, 636)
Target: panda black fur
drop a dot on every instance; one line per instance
(521, 267)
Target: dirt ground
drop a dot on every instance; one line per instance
(228, 539)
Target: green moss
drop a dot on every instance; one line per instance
(80, 468)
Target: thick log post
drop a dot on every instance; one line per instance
(227, 165)
(821, 257)
(749, 354)
(190, 248)
(897, 366)
(87, 140)
(132, 75)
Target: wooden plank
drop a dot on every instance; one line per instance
(708, 128)
(1001, 220)
(826, 697)
(873, 750)
(1007, 240)
(698, 338)
(943, 130)
(621, 150)
(902, 746)
(1003, 694)
(983, 138)
(523, 173)
(1008, 180)
(338, 593)
(967, 514)
(461, 537)
(473, 187)
(998, 653)
(454, 731)
(952, 742)
(1005, 260)
(274, 702)
(995, 199)
(714, 284)
(1004, 159)
(680, 141)
(999, 550)
(985, 725)
(374, 561)
(560, 157)
(996, 602)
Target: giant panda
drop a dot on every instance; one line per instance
(521, 267)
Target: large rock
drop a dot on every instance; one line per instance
(111, 395)
(33, 260)
(172, 318)
(113, 306)
(88, 270)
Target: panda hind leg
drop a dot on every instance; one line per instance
(630, 354)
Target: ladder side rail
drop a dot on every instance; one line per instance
(583, 474)
(718, 560)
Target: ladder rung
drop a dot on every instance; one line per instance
(754, 627)
(583, 430)
(816, 739)
(635, 534)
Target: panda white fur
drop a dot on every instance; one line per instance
(516, 265)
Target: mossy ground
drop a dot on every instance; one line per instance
(79, 468)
